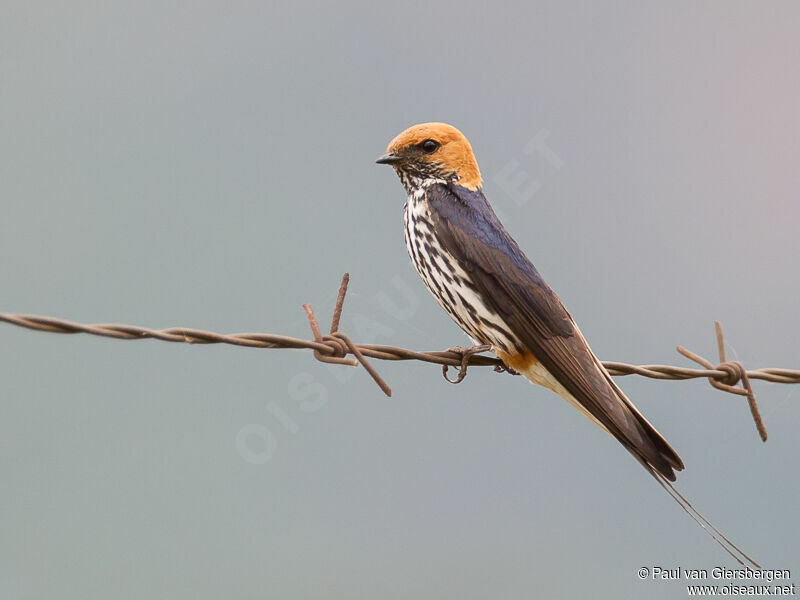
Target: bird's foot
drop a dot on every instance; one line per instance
(505, 369)
(466, 352)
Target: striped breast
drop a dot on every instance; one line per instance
(447, 280)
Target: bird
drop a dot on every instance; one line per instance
(483, 280)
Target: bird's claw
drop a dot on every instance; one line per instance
(466, 352)
(505, 369)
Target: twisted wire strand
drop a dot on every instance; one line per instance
(336, 347)
(378, 351)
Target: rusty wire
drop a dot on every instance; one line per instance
(336, 346)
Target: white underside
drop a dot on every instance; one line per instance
(537, 374)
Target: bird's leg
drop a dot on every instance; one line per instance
(466, 352)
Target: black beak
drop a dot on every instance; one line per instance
(388, 159)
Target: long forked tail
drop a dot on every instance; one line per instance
(737, 553)
(640, 438)
(662, 472)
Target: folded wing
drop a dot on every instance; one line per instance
(508, 282)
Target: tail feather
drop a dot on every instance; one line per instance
(665, 476)
(648, 446)
(668, 459)
(732, 549)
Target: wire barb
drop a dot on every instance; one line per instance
(336, 346)
(337, 310)
(734, 373)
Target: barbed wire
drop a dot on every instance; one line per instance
(336, 346)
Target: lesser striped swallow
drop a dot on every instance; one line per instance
(479, 275)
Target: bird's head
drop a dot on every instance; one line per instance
(433, 151)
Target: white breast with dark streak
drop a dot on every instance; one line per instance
(449, 283)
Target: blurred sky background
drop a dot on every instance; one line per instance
(211, 165)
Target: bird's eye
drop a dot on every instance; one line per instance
(429, 146)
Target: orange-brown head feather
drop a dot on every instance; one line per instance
(452, 156)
